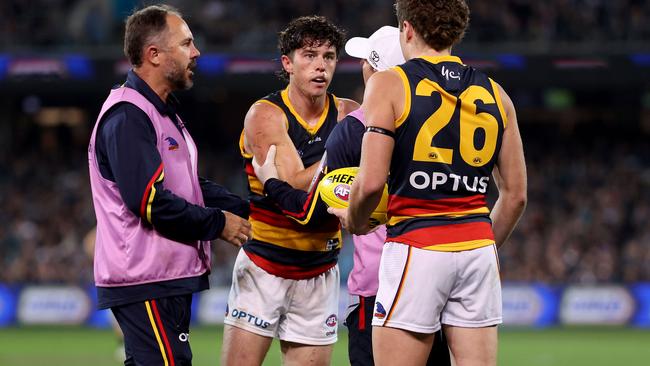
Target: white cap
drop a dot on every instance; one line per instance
(381, 49)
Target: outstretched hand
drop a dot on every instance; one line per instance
(236, 230)
(344, 216)
(268, 169)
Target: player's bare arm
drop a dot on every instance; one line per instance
(269, 168)
(383, 103)
(509, 176)
(266, 125)
(307, 177)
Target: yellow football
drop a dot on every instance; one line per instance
(335, 189)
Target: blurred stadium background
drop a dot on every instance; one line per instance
(576, 271)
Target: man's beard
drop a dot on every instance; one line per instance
(177, 76)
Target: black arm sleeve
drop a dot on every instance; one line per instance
(128, 156)
(177, 219)
(217, 196)
(303, 207)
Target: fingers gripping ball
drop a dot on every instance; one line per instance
(335, 189)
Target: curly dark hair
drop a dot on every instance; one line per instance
(312, 30)
(440, 23)
(142, 28)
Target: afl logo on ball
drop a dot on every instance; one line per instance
(342, 192)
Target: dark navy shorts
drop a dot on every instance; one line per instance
(359, 324)
(156, 332)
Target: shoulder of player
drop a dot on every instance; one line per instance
(510, 117)
(348, 123)
(505, 98)
(345, 106)
(385, 85)
(344, 142)
(348, 129)
(352, 120)
(508, 105)
(264, 115)
(385, 79)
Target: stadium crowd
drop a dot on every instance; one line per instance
(588, 201)
(586, 220)
(218, 23)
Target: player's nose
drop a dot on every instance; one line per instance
(320, 63)
(195, 53)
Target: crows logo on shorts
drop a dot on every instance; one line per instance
(331, 321)
(380, 312)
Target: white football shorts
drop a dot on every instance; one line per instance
(299, 311)
(419, 289)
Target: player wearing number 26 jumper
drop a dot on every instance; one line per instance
(438, 130)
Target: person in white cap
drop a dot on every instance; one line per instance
(438, 130)
(381, 50)
(378, 52)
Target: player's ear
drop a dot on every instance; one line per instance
(408, 29)
(287, 63)
(151, 54)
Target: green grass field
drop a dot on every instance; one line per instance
(518, 347)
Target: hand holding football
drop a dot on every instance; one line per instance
(335, 189)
